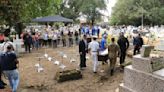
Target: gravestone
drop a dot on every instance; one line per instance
(144, 75)
(160, 47)
(145, 50)
(19, 45)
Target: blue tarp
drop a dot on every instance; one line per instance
(55, 18)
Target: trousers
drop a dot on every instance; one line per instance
(83, 60)
(122, 57)
(13, 77)
(94, 61)
(113, 62)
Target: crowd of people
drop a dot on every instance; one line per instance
(115, 49)
(52, 37)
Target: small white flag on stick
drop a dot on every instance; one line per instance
(56, 63)
(64, 56)
(46, 55)
(49, 59)
(62, 66)
(37, 65)
(40, 69)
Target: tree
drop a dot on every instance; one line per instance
(132, 11)
(75, 8)
(15, 12)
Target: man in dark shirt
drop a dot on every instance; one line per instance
(9, 66)
(27, 41)
(82, 52)
(124, 45)
(137, 42)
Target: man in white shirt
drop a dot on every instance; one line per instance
(54, 39)
(93, 48)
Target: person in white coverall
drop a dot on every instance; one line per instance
(93, 49)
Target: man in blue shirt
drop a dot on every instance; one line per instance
(103, 46)
(103, 43)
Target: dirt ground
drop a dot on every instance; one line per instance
(33, 81)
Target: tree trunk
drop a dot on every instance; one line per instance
(92, 21)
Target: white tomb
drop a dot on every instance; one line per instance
(19, 45)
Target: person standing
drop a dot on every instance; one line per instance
(63, 38)
(137, 42)
(36, 41)
(103, 46)
(83, 51)
(27, 42)
(124, 45)
(9, 66)
(45, 38)
(70, 38)
(113, 52)
(54, 40)
(76, 37)
(58, 37)
(93, 49)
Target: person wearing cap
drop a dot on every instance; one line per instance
(83, 51)
(113, 52)
(93, 49)
(8, 63)
(124, 45)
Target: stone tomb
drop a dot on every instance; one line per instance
(160, 47)
(146, 74)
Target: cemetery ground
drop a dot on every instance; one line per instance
(33, 81)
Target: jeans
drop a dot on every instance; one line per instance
(13, 77)
(36, 43)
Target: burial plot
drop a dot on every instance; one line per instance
(68, 75)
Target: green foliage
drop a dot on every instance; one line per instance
(39, 8)
(25, 10)
(90, 8)
(130, 12)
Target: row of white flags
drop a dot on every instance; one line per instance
(56, 62)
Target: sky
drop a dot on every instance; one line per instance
(110, 4)
(108, 12)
